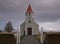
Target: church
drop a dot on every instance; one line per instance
(29, 31)
(29, 26)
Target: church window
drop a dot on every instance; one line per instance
(29, 21)
(29, 14)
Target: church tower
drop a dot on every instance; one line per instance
(9, 27)
(29, 26)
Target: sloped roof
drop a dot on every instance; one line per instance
(29, 9)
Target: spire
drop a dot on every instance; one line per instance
(9, 22)
(29, 9)
(9, 27)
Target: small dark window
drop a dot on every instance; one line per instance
(29, 14)
(29, 21)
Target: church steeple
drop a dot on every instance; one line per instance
(29, 27)
(29, 9)
(9, 27)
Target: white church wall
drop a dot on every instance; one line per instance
(31, 24)
(34, 26)
(35, 30)
(22, 28)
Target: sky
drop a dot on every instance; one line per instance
(46, 13)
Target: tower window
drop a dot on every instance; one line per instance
(29, 21)
(29, 14)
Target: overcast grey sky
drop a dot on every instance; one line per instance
(46, 13)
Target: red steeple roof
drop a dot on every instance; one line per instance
(29, 10)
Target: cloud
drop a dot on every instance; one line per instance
(44, 10)
(49, 26)
(47, 10)
(48, 17)
(11, 5)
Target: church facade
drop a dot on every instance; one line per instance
(29, 26)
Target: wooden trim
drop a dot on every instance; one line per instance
(53, 33)
(8, 32)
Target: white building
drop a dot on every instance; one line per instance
(29, 26)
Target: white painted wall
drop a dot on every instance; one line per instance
(22, 28)
(26, 24)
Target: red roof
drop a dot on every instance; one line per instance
(29, 10)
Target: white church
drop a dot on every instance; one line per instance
(29, 26)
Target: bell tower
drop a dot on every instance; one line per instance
(29, 27)
(29, 14)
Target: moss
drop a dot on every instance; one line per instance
(21, 37)
(38, 37)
